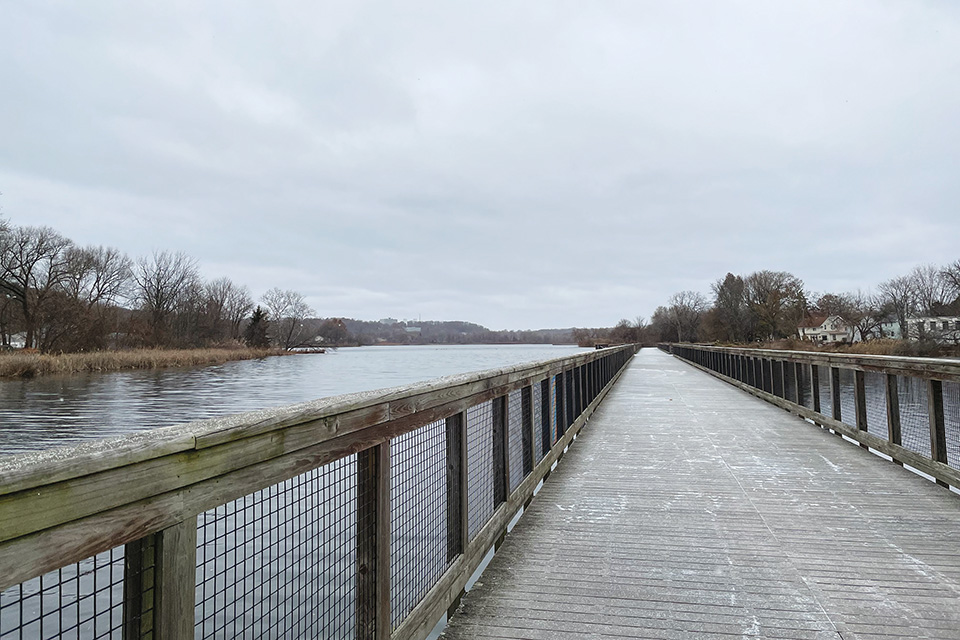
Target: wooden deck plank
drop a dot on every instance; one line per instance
(691, 509)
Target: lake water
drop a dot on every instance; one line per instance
(279, 562)
(60, 410)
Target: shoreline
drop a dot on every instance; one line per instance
(17, 365)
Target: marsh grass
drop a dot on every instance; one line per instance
(28, 365)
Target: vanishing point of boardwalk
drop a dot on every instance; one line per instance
(689, 509)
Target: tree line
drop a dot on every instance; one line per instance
(60, 297)
(769, 305)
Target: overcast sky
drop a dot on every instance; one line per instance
(520, 165)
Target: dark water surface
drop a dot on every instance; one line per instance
(61, 410)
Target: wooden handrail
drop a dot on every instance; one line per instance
(946, 369)
(59, 507)
(756, 372)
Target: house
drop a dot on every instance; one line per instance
(823, 329)
(942, 329)
(890, 329)
(17, 341)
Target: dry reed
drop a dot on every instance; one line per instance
(28, 365)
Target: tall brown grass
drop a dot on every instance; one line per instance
(27, 365)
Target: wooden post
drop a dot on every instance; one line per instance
(501, 451)
(458, 529)
(139, 563)
(545, 416)
(815, 386)
(176, 580)
(526, 413)
(798, 383)
(938, 436)
(835, 392)
(569, 399)
(893, 411)
(860, 401)
(581, 388)
(575, 393)
(373, 543)
(558, 409)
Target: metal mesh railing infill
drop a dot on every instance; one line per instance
(907, 409)
(344, 526)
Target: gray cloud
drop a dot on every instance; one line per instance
(541, 164)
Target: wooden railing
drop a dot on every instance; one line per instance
(905, 408)
(299, 511)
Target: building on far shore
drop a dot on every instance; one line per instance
(942, 329)
(825, 329)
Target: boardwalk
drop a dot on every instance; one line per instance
(688, 509)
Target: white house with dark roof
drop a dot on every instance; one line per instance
(825, 329)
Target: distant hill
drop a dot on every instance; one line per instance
(348, 331)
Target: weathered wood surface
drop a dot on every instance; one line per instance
(61, 506)
(689, 509)
(425, 615)
(947, 369)
(313, 422)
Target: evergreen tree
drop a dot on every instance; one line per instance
(256, 333)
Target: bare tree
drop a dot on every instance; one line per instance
(864, 314)
(951, 273)
(34, 265)
(161, 282)
(238, 306)
(287, 310)
(85, 311)
(932, 289)
(685, 311)
(777, 302)
(226, 307)
(623, 333)
(896, 297)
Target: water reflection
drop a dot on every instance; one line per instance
(57, 411)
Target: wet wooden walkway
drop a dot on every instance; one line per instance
(689, 509)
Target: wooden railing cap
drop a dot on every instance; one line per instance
(21, 471)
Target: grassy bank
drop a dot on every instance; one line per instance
(28, 365)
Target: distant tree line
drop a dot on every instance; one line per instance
(769, 305)
(56, 296)
(348, 331)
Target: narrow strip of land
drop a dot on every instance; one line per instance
(689, 509)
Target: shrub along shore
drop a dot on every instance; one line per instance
(19, 364)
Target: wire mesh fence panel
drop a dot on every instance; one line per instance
(826, 398)
(914, 421)
(83, 600)
(538, 449)
(515, 427)
(875, 385)
(554, 410)
(418, 514)
(479, 466)
(789, 382)
(806, 387)
(951, 417)
(847, 405)
(281, 562)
